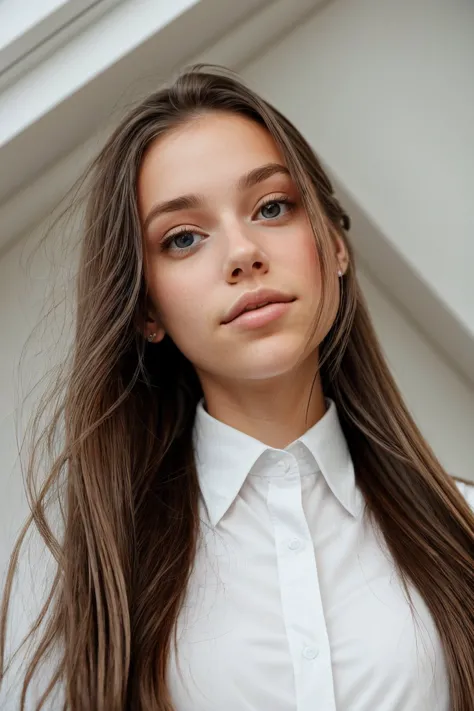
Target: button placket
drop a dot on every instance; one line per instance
(301, 599)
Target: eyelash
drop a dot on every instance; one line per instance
(166, 242)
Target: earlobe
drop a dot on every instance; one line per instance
(152, 329)
(341, 256)
(156, 336)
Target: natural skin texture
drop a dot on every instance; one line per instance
(258, 380)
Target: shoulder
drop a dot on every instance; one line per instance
(467, 490)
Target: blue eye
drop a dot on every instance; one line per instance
(180, 241)
(275, 208)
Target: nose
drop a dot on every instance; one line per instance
(245, 257)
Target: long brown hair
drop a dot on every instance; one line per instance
(126, 410)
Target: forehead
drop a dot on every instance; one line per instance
(207, 153)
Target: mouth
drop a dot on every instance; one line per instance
(255, 301)
(260, 315)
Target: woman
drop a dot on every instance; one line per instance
(252, 518)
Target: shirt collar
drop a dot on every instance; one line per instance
(225, 456)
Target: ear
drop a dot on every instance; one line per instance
(342, 255)
(152, 326)
(153, 331)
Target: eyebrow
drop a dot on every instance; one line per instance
(190, 202)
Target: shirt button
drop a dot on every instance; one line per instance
(284, 466)
(294, 545)
(310, 653)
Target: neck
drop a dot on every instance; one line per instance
(276, 412)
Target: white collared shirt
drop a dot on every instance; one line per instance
(294, 603)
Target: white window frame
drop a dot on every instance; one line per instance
(30, 31)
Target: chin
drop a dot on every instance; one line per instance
(265, 362)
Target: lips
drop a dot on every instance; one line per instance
(255, 299)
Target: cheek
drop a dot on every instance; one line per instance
(304, 263)
(180, 299)
(303, 259)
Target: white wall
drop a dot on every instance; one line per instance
(441, 401)
(31, 277)
(384, 90)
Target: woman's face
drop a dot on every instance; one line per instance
(223, 220)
